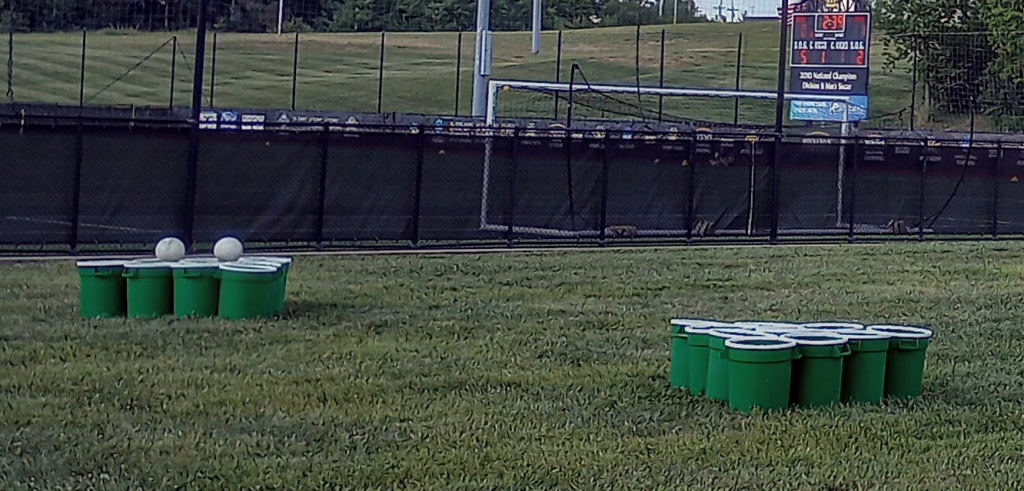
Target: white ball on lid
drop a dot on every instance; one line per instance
(170, 249)
(228, 249)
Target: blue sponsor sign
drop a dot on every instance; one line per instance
(830, 110)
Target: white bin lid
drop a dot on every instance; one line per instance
(831, 339)
(746, 343)
(149, 264)
(247, 268)
(905, 332)
(267, 259)
(831, 326)
(100, 263)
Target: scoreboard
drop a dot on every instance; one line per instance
(829, 55)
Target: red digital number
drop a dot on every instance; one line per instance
(803, 57)
(860, 57)
(823, 52)
(832, 22)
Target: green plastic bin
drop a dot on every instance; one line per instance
(760, 370)
(865, 368)
(196, 288)
(150, 288)
(697, 342)
(284, 263)
(717, 386)
(247, 290)
(905, 359)
(102, 288)
(817, 377)
(679, 363)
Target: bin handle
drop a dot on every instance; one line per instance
(190, 273)
(908, 344)
(103, 273)
(844, 350)
(130, 273)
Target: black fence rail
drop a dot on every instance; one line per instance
(79, 184)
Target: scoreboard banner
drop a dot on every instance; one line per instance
(830, 55)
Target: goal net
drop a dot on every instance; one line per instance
(558, 190)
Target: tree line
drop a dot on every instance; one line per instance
(329, 15)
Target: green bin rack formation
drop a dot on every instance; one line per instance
(776, 365)
(251, 287)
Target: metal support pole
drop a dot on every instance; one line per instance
(295, 69)
(691, 190)
(76, 198)
(174, 66)
(853, 189)
(321, 210)
(380, 74)
(213, 68)
(482, 57)
(280, 15)
(675, 12)
(995, 191)
(780, 105)
(511, 217)
(661, 77)
(10, 53)
(458, 72)
(81, 80)
(920, 201)
(193, 141)
(739, 68)
(568, 110)
(418, 192)
(537, 21)
(558, 69)
(913, 86)
(605, 157)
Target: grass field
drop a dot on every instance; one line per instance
(340, 71)
(509, 371)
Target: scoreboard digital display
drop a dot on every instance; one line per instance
(829, 55)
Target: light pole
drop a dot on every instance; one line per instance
(280, 15)
(482, 57)
(537, 9)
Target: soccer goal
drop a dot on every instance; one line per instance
(573, 102)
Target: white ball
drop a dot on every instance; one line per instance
(228, 249)
(170, 249)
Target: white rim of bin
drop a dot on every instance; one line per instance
(905, 332)
(859, 334)
(768, 324)
(703, 329)
(203, 259)
(100, 263)
(778, 343)
(191, 264)
(696, 322)
(268, 259)
(247, 268)
(736, 332)
(837, 339)
(831, 326)
(149, 264)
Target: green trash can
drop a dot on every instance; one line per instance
(717, 386)
(864, 369)
(101, 288)
(904, 371)
(196, 288)
(284, 263)
(817, 377)
(760, 370)
(679, 364)
(697, 342)
(150, 288)
(247, 290)
(831, 326)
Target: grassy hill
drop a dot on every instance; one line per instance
(339, 71)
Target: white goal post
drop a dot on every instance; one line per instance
(496, 87)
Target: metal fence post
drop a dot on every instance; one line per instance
(174, 66)
(213, 67)
(773, 236)
(295, 68)
(851, 209)
(193, 140)
(920, 201)
(913, 85)
(458, 72)
(325, 142)
(380, 75)
(77, 183)
(692, 189)
(81, 80)
(558, 69)
(995, 191)
(739, 69)
(511, 216)
(421, 137)
(605, 157)
(661, 76)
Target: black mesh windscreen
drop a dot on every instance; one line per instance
(453, 183)
(133, 185)
(732, 191)
(648, 188)
(37, 188)
(558, 187)
(888, 186)
(371, 187)
(810, 193)
(258, 186)
(1011, 190)
(960, 189)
